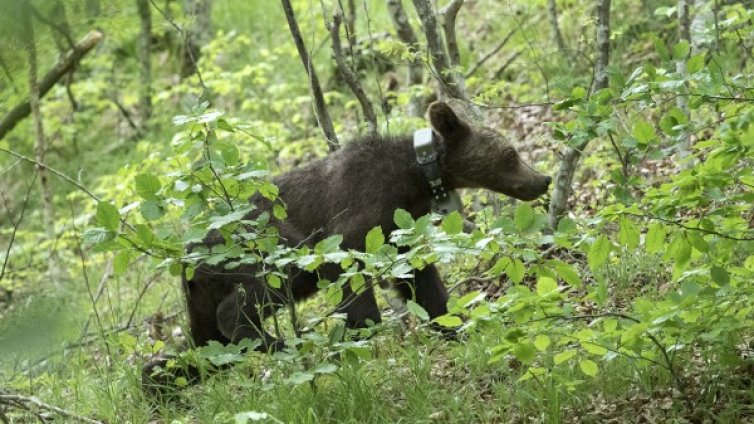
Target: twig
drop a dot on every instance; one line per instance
(504, 66)
(491, 53)
(16, 224)
(685, 227)
(348, 75)
(30, 403)
(61, 68)
(320, 109)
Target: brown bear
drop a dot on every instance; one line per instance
(349, 192)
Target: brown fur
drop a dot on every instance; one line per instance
(349, 192)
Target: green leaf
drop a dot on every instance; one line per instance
(592, 348)
(151, 210)
(523, 217)
(541, 342)
(329, 244)
(599, 252)
(147, 186)
(655, 239)
(719, 275)
(453, 223)
(324, 368)
(97, 235)
(403, 219)
(589, 367)
(417, 310)
(643, 132)
(681, 50)
(546, 285)
(695, 63)
(108, 216)
(375, 239)
(217, 222)
(279, 212)
(120, 262)
(230, 154)
(516, 271)
(628, 234)
(567, 273)
(525, 352)
(145, 234)
(299, 377)
(274, 281)
(564, 356)
(448, 321)
(578, 92)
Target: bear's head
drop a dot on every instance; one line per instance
(480, 157)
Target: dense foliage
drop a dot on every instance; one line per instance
(638, 304)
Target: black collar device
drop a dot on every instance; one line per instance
(443, 201)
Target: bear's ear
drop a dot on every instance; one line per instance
(446, 122)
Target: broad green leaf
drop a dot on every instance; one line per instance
(449, 321)
(589, 367)
(719, 275)
(403, 219)
(299, 377)
(695, 63)
(523, 217)
(564, 356)
(147, 186)
(329, 244)
(374, 240)
(541, 342)
(279, 212)
(567, 273)
(151, 210)
(417, 310)
(97, 235)
(274, 281)
(628, 234)
(546, 285)
(324, 368)
(453, 223)
(592, 348)
(655, 239)
(516, 271)
(599, 252)
(108, 216)
(643, 132)
(120, 262)
(578, 92)
(217, 222)
(681, 50)
(525, 352)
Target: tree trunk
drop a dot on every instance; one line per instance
(407, 36)
(450, 85)
(682, 147)
(198, 34)
(320, 109)
(567, 166)
(48, 209)
(552, 9)
(145, 59)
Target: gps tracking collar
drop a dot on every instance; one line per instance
(443, 201)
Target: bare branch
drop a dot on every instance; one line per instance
(31, 403)
(320, 109)
(491, 53)
(449, 84)
(407, 36)
(61, 68)
(552, 9)
(348, 76)
(449, 14)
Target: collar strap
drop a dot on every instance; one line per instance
(443, 201)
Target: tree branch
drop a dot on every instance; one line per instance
(407, 36)
(348, 76)
(63, 66)
(320, 109)
(449, 84)
(31, 403)
(449, 14)
(491, 53)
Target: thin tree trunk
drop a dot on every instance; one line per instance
(145, 59)
(552, 9)
(198, 34)
(350, 21)
(567, 166)
(48, 209)
(407, 36)
(348, 75)
(449, 14)
(320, 109)
(450, 85)
(682, 148)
